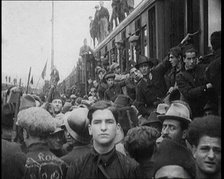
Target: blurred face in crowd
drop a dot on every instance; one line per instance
(101, 75)
(110, 81)
(95, 84)
(103, 127)
(93, 91)
(57, 140)
(133, 73)
(172, 171)
(172, 130)
(57, 105)
(174, 60)
(117, 70)
(190, 60)
(208, 155)
(144, 68)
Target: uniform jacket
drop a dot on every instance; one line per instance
(192, 85)
(148, 92)
(112, 92)
(114, 164)
(76, 152)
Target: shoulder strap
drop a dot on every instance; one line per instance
(103, 171)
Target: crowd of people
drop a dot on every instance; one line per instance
(160, 120)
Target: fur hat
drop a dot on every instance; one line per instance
(76, 124)
(171, 152)
(143, 59)
(27, 101)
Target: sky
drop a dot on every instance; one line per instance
(26, 36)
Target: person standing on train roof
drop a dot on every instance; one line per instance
(85, 49)
(114, 89)
(152, 87)
(104, 21)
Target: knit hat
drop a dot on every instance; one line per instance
(76, 123)
(27, 101)
(171, 152)
(37, 121)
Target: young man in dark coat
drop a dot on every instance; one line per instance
(114, 89)
(76, 124)
(192, 83)
(103, 161)
(152, 86)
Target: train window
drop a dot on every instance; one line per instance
(214, 17)
(152, 32)
(145, 51)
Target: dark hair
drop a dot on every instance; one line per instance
(176, 51)
(191, 50)
(140, 142)
(101, 105)
(208, 125)
(215, 40)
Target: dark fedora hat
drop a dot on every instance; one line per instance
(123, 102)
(109, 75)
(152, 119)
(177, 111)
(143, 59)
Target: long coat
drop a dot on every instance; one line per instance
(150, 91)
(192, 85)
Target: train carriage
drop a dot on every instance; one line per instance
(151, 29)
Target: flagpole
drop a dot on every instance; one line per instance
(28, 81)
(52, 37)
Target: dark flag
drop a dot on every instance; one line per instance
(9, 79)
(43, 74)
(6, 78)
(31, 81)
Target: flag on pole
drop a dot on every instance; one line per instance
(6, 78)
(43, 74)
(31, 81)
